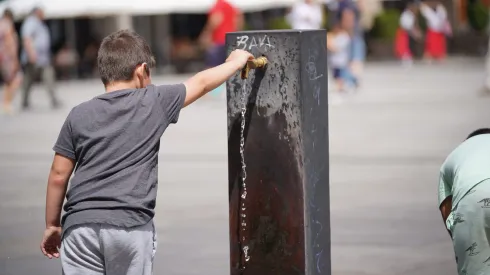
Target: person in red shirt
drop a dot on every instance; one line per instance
(222, 18)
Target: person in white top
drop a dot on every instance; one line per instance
(306, 15)
(407, 33)
(437, 28)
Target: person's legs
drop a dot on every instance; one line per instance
(411, 51)
(358, 49)
(442, 47)
(412, 46)
(470, 227)
(81, 251)
(129, 251)
(402, 42)
(429, 46)
(348, 78)
(358, 56)
(49, 79)
(30, 73)
(10, 88)
(337, 76)
(335, 95)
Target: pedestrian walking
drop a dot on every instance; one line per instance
(222, 18)
(349, 14)
(113, 140)
(36, 57)
(464, 202)
(438, 28)
(9, 61)
(339, 45)
(407, 34)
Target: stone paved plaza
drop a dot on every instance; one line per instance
(386, 142)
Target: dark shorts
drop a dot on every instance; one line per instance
(216, 56)
(345, 75)
(338, 73)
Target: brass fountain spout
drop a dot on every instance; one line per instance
(259, 62)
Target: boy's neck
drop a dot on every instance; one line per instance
(117, 86)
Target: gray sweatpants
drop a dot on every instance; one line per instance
(95, 249)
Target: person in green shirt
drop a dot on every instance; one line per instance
(464, 202)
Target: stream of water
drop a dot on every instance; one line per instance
(243, 206)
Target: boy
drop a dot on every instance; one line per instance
(113, 141)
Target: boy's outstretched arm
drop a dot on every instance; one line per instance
(210, 79)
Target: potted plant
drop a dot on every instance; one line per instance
(383, 33)
(478, 16)
(279, 23)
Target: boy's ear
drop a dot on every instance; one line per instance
(140, 71)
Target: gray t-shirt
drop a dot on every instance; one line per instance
(114, 139)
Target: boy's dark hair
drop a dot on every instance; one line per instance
(7, 13)
(119, 55)
(480, 131)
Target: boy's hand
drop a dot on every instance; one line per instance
(51, 242)
(240, 57)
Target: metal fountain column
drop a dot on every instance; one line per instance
(278, 164)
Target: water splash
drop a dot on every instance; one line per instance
(243, 208)
(245, 252)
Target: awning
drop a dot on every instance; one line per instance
(97, 8)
